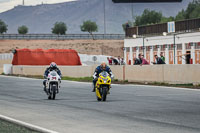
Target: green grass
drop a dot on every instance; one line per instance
(7, 127)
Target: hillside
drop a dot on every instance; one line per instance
(40, 18)
(91, 47)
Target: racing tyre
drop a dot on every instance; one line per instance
(104, 93)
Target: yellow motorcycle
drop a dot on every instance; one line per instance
(103, 85)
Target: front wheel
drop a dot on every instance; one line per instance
(98, 99)
(54, 88)
(104, 93)
(52, 92)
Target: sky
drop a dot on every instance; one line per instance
(9, 4)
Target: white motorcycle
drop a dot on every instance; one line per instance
(53, 84)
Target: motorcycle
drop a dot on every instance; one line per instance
(53, 84)
(102, 86)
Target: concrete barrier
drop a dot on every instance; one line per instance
(4, 61)
(145, 73)
(180, 74)
(176, 74)
(77, 71)
(118, 72)
(1, 69)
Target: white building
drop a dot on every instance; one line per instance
(184, 43)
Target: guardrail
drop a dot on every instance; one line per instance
(6, 56)
(61, 37)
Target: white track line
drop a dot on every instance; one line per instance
(177, 88)
(27, 125)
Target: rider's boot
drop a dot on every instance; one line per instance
(93, 88)
(109, 90)
(45, 90)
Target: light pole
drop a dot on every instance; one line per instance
(174, 47)
(132, 14)
(143, 44)
(104, 5)
(143, 40)
(174, 38)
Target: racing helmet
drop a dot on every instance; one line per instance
(103, 66)
(53, 65)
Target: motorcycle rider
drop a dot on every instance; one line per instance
(98, 70)
(52, 67)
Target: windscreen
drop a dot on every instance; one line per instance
(53, 73)
(104, 74)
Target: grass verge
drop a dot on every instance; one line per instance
(7, 127)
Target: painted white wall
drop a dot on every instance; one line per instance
(160, 40)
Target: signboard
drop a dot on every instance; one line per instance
(94, 58)
(171, 27)
(144, 1)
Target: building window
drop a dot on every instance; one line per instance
(127, 49)
(179, 46)
(134, 49)
(148, 48)
(162, 47)
(171, 46)
(141, 49)
(155, 48)
(197, 45)
(188, 46)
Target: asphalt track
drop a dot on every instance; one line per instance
(129, 108)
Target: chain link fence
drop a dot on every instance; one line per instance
(61, 37)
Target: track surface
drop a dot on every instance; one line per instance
(129, 109)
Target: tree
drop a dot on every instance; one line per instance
(59, 28)
(22, 29)
(166, 19)
(148, 17)
(89, 26)
(3, 27)
(180, 15)
(192, 11)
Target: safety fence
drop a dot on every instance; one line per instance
(189, 25)
(6, 56)
(61, 37)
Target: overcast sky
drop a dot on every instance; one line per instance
(8, 4)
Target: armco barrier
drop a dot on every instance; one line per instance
(175, 74)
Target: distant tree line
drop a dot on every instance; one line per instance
(59, 28)
(152, 17)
